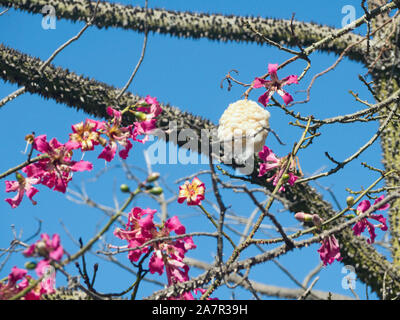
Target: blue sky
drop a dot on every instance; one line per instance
(185, 73)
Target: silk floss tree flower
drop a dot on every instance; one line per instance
(192, 192)
(49, 250)
(139, 229)
(329, 250)
(270, 162)
(243, 129)
(363, 224)
(170, 253)
(147, 111)
(274, 85)
(86, 134)
(117, 135)
(21, 186)
(17, 281)
(166, 255)
(55, 171)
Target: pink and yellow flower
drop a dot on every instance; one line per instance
(86, 134)
(55, 171)
(116, 135)
(192, 192)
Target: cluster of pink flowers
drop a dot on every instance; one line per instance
(166, 255)
(270, 162)
(56, 169)
(12, 287)
(47, 249)
(330, 249)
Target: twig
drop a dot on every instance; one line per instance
(140, 59)
(307, 292)
(356, 154)
(22, 90)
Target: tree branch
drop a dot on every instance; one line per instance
(216, 27)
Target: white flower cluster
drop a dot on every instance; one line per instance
(243, 129)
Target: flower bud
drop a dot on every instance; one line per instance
(317, 220)
(156, 191)
(285, 177)
(350, 201)
(124, 188)
(153, 177)
(30, 138)
(30, 265)
(303, 217)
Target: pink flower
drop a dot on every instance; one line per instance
(150, 106)
(192, 192)
(143, 128)
(139, 229)
(50, 249)
(363, 224)
(270, 162)
(170, 254)
(152, 109)
(85, 134)
(11, 288)
(166, 255)
(274, 85)
(329, 250)
(116, 135)
(55, 171)
(16, 275)
(21, 186)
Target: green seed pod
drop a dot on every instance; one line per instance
(156, 191)
(124, 188)
(350, 201)
(153, 177)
